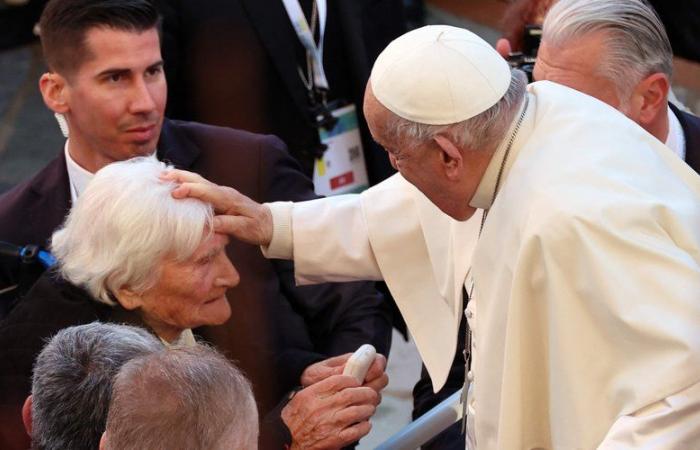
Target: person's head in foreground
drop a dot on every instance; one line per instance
(182, 397)
(129, 244)
(105, 77)
(440, 100)
(72, 383)
(614, 50)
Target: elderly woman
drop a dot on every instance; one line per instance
(153, 261)
(130, 253)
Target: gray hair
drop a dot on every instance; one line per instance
(483, 131)
(72, 382)
(636, 41)
(123, 225)
(182, 397)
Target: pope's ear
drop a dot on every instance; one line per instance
(452, 160)
(53, 89)
(128, 298)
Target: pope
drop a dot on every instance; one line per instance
(574, 233)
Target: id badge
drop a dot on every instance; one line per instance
(342, 168)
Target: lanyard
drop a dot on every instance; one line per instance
(301, 26)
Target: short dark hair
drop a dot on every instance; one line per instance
(64, 24)
(72, 382)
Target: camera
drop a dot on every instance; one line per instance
(525, 60)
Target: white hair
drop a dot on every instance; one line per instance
(483, 131)
(182, 397)
(123, 225)
(636, 43)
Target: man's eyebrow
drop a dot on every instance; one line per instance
(114, 71)
(125, 71)
(156, 65)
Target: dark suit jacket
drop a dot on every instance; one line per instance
(234, 63)
(276, 329)
(691, 131)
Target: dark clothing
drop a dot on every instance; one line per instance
(424, 399)
(235, 63)
(691, 132)
(276, 329)
(682, 21)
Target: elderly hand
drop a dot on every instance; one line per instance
(376, 378)
(238, 215)
(330, 414)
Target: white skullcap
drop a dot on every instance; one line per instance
(439, 75)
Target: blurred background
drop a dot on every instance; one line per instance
(30, 137)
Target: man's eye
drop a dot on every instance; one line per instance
(115, 78)
(154, 71)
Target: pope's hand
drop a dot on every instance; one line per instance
(237, 215)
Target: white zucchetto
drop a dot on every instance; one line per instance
(439, 75)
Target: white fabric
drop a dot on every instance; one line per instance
(587, 279)
(669, 424)
(454, 75)
(77, 176)
(421, 253)
(185, 339)
(675, 139)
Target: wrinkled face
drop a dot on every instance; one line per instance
(423, 166)
(191, 293)
(576, 65)
(116, 98)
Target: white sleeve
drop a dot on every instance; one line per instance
(669, 424)
(281, 246)
(331, 242)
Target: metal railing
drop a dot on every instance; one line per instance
(426, 426)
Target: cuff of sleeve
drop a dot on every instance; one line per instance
(281, 245)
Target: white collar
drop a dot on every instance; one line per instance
(186, 339)
(78, 177)
(675, 139)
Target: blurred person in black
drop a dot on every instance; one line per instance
(240, 64)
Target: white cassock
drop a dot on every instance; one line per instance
(586, 300)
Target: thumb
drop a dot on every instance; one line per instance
(236, 226)
(503, 47)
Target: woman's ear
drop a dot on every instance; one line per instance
(128, 298)
(53, 89)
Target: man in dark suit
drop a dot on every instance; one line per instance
(106, 78)
(240, 64)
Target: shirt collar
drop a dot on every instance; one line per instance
(484, 195)
(675, 139)
(186, 339)
(78, 176)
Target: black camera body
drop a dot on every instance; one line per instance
(525, 60)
